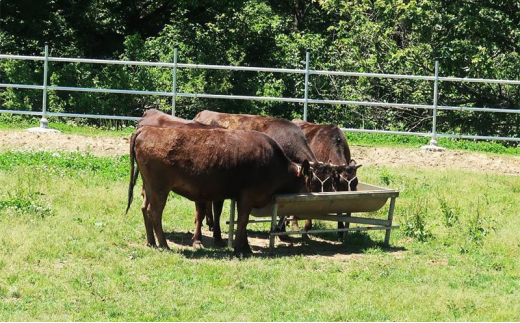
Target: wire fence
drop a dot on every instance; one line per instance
(306, 101)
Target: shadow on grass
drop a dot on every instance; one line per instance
(324, 245)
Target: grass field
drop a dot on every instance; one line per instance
(69, 253)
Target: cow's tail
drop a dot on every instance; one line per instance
(133, 173)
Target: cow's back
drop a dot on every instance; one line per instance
(285, 133)
(327, 142)
(210, 164)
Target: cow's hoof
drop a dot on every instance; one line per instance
(165, 248)
(220, 243)
(243, 251)
(243, 255)
(197, 244)
(285, 238)
(305, 236)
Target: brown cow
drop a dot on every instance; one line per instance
(210, 165)
(157, 118)
(287, 134)
(328, 142)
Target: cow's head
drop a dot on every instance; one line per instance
(322, 177)
(347, 177)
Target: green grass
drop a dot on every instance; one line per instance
(70, 126)
(374, 140)
(69, 253)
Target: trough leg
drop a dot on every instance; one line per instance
(273, 228)
(231, 224)
(390, 218)
(341, 225)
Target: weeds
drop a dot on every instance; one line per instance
(386, 177)
(414, 225)
(478, 228)
(448, 215)
(25, 204)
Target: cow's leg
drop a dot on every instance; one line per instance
(200, 212)
(295, 226)
(241, 245)
(209, 216)
(157, 203)
(217, 233)
(341, 234)
(307, 227)
(148, 223)
(283, 228)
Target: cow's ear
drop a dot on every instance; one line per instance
(352, 162)
(306, 166)
(357, 166)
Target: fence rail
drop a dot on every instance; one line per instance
(305, 100)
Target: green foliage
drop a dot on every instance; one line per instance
(401, 37)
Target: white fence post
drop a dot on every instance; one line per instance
(433, 141)
(306, 95)
(44, 123)
(174, 76)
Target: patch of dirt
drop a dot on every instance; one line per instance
(374, 156)
(98, 145)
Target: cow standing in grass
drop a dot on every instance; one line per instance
(157, 118)
(286, 133)
(328, 143)
(206, 165)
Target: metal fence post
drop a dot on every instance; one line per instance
(44, 123)
(433, 141)
(174, 77)
(306, 95)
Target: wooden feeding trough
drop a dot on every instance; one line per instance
(330, 206)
